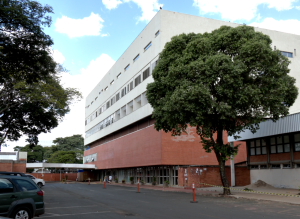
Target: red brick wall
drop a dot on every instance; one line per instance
(148, 147)
(16, 167)
(19, 167)
(141, 148)
(297, 155)
(187, 150)
(211, 175)
(282, 156)
(259, 158)
(55, 176)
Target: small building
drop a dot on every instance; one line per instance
(13, 161)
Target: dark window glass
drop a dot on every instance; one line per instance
(146, 73)
(25, 185)
(6, 186)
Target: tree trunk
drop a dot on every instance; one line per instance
(221, 160)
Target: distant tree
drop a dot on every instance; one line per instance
(66, 157)
(70, 143)
(225, 81)
(35, 153)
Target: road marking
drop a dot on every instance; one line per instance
(60, 215)
(74, 207)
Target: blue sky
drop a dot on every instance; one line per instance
(89, 36)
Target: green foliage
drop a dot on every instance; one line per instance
(25, 47)
(35, 153)
(248, 190)
(66, 157)
(70, 143)
(228, 80)
(131, 178)
(154, 179)
(58, 152)
(32, 99)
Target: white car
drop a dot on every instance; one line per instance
(39, 182)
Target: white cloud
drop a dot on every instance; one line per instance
(149, 7)
(111, 4)
(239, 10)
(297, 7)
(288, 26)
(88, 26)
(73, 122)
(58, 56)
(104, 34)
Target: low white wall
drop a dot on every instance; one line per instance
(287, 178)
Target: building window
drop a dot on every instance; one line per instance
(297, 141)
(254, 167)
(287, 54)
(157, 33)
(113, 81)
(130, 86)
(107, 104)
(258, 147)
(112, 101)
(137, 80)
(154, 64)
(127, 67)
(118, 75)
(106, 88)
(117, 97)
(146, 73)
(136, 58)
(147, 47)
(123, 92)
(279, 144)
(96, 98)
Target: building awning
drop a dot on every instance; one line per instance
(60, 165)
(290, 123)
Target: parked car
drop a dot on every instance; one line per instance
(20, 197)
(39, 182)
(12, 173)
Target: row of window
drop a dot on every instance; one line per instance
(273, 166)
(125, 110)
(127, 66)
(130, 86)
(277, 144)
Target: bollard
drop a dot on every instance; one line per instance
(89, 181)
(138, 186)
(194, 194)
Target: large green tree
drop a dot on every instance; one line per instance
(228, 80)
(32, 99)
(70, 143)
(66, 157)
(66, 150)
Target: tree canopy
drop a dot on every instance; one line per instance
(227, 80)
(70, 143)
(25, 48)
(32, 99)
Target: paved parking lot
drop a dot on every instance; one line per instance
(78, 200)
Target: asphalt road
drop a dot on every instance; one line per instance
(92, 201)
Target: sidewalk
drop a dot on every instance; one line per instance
(216, 191)
(249, 195)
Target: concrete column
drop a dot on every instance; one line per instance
(232, 168)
